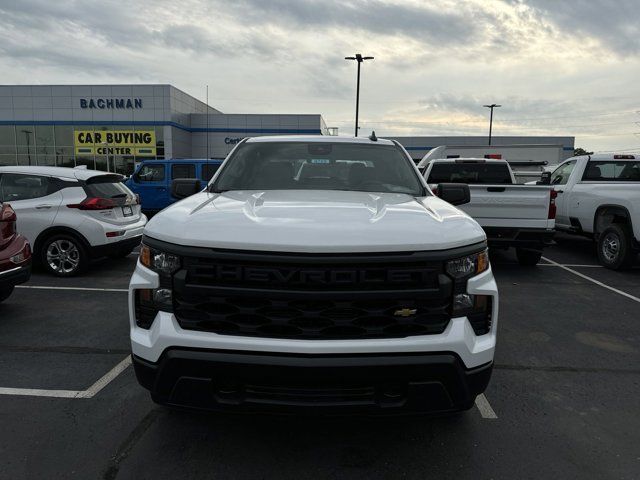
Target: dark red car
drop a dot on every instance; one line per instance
(15, 253)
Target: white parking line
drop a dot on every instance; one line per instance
(593, 280)
(485, 407)
(88, 393)
(85, 289)
(569, 265)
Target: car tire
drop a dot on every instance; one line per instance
(121, 253)
(615, 249)
(5, 293)
(63, 255)
(527, 257)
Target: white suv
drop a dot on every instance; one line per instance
(72, 215)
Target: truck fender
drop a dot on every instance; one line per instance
(607, 214)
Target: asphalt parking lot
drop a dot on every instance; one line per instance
(562, 403)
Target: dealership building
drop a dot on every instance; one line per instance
(112, 127)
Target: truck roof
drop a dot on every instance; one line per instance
(608, 156)
(319, 139)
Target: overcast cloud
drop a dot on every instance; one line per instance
(558, 67)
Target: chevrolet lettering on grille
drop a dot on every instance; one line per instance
(319, 276)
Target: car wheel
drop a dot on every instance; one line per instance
(614, 247)
(527, 257)
(63, 255)
(5, 293)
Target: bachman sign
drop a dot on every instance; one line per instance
(141, 143)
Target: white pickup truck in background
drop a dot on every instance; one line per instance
(599, 196)
(520, 216)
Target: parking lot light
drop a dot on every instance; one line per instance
(359, 59)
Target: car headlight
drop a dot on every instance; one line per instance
(161, 262)
(468, 266)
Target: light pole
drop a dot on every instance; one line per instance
(27, 134)
(492, 106)
(359, 59)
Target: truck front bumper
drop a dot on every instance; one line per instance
(340, 384)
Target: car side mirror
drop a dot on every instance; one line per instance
(454, 193)
(545, 179)
(185, 187)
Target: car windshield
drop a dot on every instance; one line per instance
(319, 166)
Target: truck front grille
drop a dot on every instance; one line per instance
(311, 319)
(313, 297)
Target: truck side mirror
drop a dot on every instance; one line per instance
(545, 179)
(454, 193)
(185, 187)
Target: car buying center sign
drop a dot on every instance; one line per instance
(141, 143)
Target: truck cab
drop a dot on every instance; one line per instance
(152, 179)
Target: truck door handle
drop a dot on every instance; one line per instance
(43, 207)
(496, 189)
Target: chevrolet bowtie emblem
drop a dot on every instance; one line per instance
(405, 312)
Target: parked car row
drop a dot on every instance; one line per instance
(70, 216)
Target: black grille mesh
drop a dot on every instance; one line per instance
(319, 319)
(383, 297)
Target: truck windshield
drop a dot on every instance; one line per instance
(472, 173)
(319, 166)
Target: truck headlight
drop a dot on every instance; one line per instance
(468, 266)
(148, 302)
(477, 308)
(161, 262)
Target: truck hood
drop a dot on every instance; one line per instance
(315, 221)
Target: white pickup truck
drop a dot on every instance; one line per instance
(599, 195)
(314, 273)
(520, 216)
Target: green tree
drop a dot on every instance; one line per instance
(581, 151)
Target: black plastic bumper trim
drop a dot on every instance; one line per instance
(15, 277)
(115, 247)
(283, 383)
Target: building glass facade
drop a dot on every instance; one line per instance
(57, 145)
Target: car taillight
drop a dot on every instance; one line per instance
(552, 204)
(7, 221)
(94, 203)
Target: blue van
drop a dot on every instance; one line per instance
(152, 179)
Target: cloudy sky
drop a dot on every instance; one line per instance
(567, 67)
